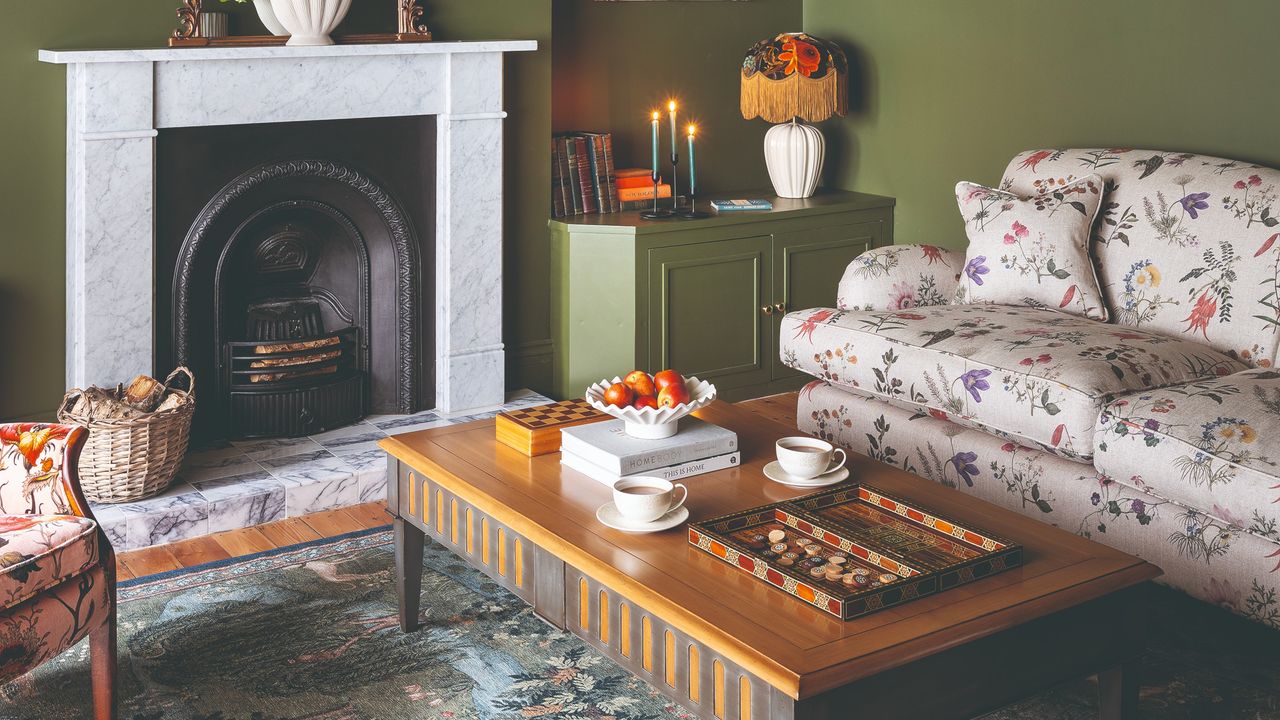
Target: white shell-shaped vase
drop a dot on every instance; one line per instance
(309, 22)
(268, 17)
(794, 154)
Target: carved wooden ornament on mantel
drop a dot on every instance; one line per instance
(409, 28)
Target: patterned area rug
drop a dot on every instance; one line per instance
(309, 633)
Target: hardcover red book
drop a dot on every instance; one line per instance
(642, 181)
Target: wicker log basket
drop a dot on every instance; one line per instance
(129, 459)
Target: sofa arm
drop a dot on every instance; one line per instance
(38, 465)
(900, 276)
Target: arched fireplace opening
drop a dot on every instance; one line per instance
(296, 297)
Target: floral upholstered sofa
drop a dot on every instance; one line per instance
(1157, 432)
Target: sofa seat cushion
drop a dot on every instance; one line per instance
(1035, 376)
(1213, 444)
(38, 552)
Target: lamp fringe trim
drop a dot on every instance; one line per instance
(795, 96)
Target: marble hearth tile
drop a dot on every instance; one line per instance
(397, 424)
(265, 450)
(114, 522)
(245, 510)
(303, 496)
(370, 466)
(359, 433)
(213, 464)
(314, 482)
(173, 518)
(233, 486)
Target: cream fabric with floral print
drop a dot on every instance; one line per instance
(1212, 444)
(1229, 561)
(1037, 376)
(1032, 250)
(899, 277)
(1186, 245)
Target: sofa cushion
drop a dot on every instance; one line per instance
(40, 551)
(1186, 245)
(1036, 376)
(1213, 444)
(1032, 250)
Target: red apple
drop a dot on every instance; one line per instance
(618, 395)
(672, 395)
(644, 401)
(667, 378)
(640, 383)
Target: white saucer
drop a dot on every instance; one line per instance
(774, 472)
(609, 515)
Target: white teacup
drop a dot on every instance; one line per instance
(645, 499)
(807, 457)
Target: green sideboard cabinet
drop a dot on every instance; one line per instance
(702, 296)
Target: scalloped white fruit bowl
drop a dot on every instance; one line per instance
(650, 423)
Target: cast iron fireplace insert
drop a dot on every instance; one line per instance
(291, 267)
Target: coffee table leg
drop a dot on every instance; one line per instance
(409, 542)
(1118, 692)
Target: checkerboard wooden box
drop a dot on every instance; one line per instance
(536, 430)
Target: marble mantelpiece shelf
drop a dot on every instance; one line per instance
(252, 482)
(163, 54)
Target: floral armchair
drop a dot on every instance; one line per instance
(57, 568)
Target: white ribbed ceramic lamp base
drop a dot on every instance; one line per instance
(309, 22)
(794, 153)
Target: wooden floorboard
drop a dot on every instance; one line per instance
(283, 533)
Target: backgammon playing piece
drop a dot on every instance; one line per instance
(887, 578)
(817, 573)
(812, 550)
(777, 536)
(833, 572)
(861, 579)
(861, 572)
(849, 578)
(785, 561)
(778, 547)
(837, 559)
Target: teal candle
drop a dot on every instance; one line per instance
(675, 134)
(693, 170)
(655, 146)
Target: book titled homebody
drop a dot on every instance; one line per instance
(671, 473)
(607, 445)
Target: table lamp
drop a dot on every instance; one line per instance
(789, 78)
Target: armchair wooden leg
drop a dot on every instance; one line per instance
(102, 659)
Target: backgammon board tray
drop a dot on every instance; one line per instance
(854, 550)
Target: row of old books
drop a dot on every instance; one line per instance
(604, 452)
(585, 181)
(583, 177)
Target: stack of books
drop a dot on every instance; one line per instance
(604, 452)
(583, 178)
(635, 188)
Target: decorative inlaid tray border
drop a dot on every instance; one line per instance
(914, 579)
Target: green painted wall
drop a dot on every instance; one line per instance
(32, 148)
(616, 61)
(949, 91)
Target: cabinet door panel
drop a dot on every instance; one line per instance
(705, 314)
(808, 267)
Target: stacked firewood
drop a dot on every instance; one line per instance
(142, 396)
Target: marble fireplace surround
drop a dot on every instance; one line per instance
(118, 100)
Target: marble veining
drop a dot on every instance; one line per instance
(250, 482)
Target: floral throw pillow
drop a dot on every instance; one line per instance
(1032, 251)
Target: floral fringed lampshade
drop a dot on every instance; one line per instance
(795, 75)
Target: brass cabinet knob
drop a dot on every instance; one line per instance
(767, 309)
(780, 307)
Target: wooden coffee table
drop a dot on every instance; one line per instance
(725, 645)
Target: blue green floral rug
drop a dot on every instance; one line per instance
(310, 633)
